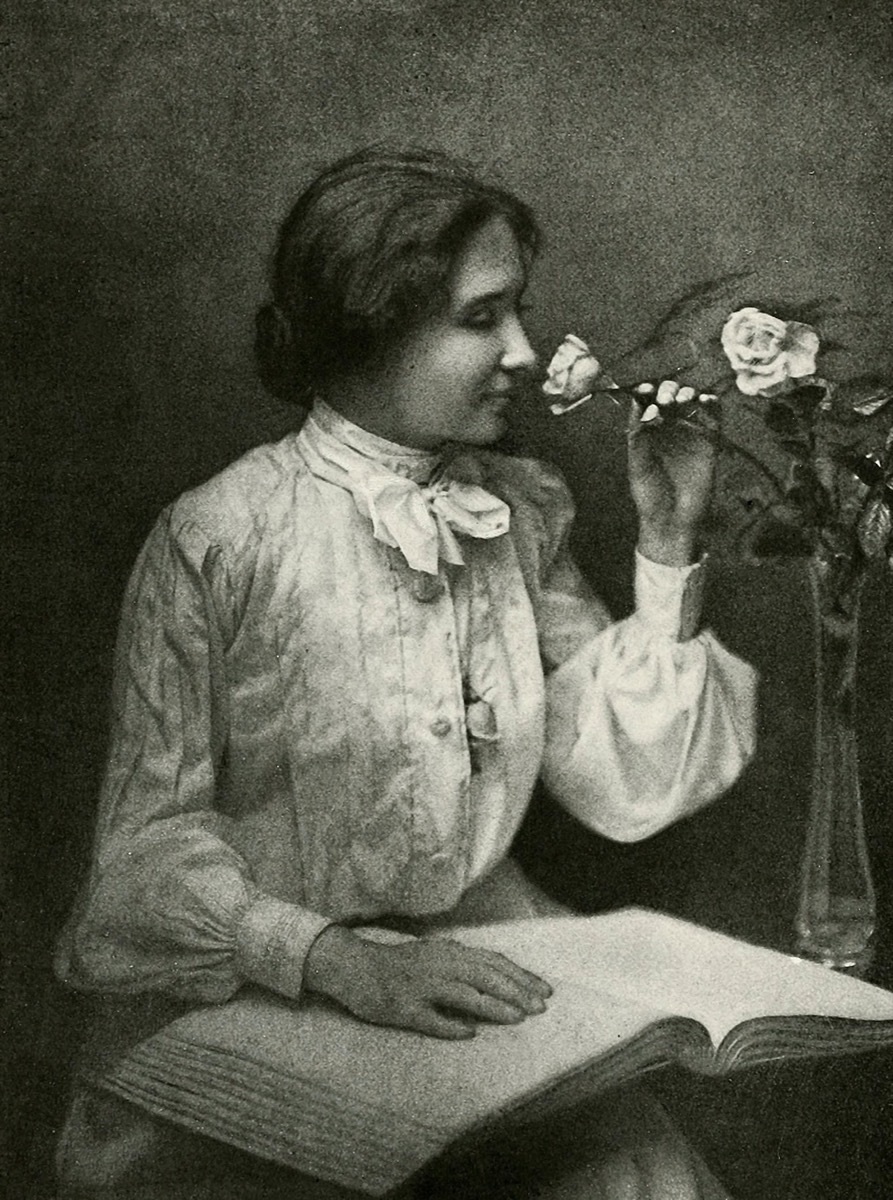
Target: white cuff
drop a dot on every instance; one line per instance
(273, 941)
(668, 599)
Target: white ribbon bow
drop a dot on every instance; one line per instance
(422, 521)
(419, 520)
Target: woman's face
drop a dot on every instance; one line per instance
(453, 378)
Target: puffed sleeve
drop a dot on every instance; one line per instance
(170, 906)
(647, 719)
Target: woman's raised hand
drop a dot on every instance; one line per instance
(431, 985)
(671, 465)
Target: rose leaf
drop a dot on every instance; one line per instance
(807, 399)
(868, 468)
(874, 527)
(868, 405)
(866, 394)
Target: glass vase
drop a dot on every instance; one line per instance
(836, 918)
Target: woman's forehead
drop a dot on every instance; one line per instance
(489, 264)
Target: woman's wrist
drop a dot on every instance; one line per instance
(328, 964)
(669, 547)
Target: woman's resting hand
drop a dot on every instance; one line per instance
(434, 986)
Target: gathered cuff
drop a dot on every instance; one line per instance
(669, 599)
(272, 943)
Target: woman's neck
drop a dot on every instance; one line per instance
(370, 405)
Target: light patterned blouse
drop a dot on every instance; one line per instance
(307, 729)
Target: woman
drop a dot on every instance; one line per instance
(345, 660)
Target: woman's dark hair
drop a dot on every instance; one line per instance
(365, 256)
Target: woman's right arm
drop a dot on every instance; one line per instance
(170, 906)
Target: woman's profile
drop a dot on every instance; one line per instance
(344, 662)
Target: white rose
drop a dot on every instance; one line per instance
(574, 373)
(765, 352)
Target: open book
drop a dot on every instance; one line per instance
(366, 1107)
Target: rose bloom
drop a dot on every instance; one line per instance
(574, 373)
(765, 352)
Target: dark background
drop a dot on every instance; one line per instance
(151, 149)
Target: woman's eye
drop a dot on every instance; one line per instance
(489, 317)
(481, 318)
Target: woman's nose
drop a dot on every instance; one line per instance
(518, 354)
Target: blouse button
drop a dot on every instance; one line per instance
(441, 726)
(426, 588)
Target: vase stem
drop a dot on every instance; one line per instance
(837, 915)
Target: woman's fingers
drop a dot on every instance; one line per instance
(430, 1021)
(520, 974)
(709, 412)
(669, 398)
(497, 976)
(466, 999)
(643, 410)
(504, 989)
(667, 391)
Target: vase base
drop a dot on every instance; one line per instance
(844, 946)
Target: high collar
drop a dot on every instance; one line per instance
(406, 461)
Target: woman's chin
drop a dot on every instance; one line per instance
(487, 428)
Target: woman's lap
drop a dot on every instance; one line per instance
(623, 1148)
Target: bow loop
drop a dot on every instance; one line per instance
(469, 509)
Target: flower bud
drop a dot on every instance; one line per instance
(574, 374)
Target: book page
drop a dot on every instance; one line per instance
(681, 968)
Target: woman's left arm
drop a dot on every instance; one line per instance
(650, 718)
